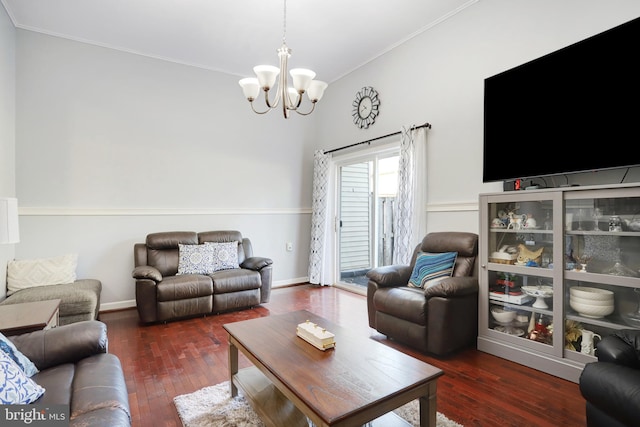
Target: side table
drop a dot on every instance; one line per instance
(29, 316)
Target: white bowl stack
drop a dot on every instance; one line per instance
(591, 302)
(503, 316)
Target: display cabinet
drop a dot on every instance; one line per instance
(559, 269)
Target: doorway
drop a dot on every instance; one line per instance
(366, 195)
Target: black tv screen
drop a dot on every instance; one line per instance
(574, 110)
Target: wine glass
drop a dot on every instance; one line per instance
(580, 218)
(597, 214)
(583, 260)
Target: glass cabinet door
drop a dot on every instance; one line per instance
(521, 258)
(602, 266)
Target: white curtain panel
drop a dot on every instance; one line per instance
(410, 219)
(319, 217)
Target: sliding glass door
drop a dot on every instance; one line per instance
(366, 194)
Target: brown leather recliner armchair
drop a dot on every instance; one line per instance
(162, 294)
(438, 320)
(77, 371)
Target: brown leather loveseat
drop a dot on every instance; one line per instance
(76, 371)
(440, 319)
(162, 294)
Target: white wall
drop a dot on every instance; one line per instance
(111, 146)
(7, 129)
(438, 77)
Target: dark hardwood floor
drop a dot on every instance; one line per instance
(165, 360)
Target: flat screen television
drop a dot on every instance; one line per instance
(574, 110)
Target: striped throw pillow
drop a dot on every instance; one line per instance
(430, 268)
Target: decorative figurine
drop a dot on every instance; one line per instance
(516, 221)
(526, 256)
(615, 223)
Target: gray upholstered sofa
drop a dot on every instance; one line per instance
(76, 370)
(163, 294)
(80, 300)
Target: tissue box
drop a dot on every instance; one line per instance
(316, 335)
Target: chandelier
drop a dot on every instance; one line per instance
(290, 98)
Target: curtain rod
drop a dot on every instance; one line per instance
(426, 125)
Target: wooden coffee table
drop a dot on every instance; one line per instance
(21, 318)
(358, 381)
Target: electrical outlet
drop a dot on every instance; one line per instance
(289, 246)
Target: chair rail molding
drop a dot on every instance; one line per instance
(75, 211)
(452, 207)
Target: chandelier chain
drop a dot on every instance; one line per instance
(284, 23)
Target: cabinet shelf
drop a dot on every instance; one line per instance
(522, 307)
(610, 322)
(519, 269)
(603, 233)
(520, 231)
(632, 282)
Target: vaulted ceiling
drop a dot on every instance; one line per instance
(331, 37)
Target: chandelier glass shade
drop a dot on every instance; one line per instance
(289, 98)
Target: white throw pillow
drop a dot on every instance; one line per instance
(195, 259)
(225, 255)
(27, 273)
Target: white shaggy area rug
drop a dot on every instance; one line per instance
(213, 407)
